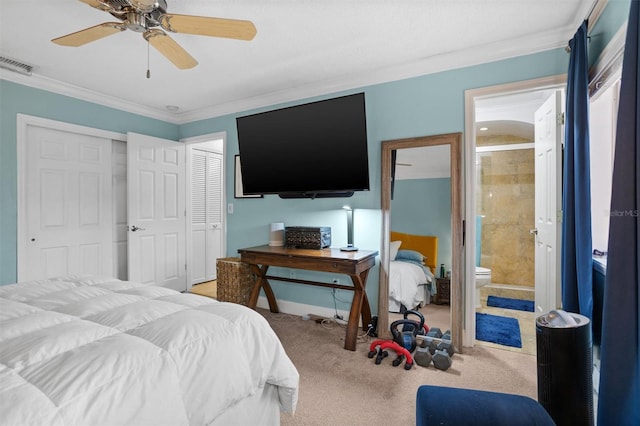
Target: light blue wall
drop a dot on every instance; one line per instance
(612, 18)
(16, 98)
(423, 207)
(426, 105)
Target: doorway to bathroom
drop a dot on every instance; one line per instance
(515, 180)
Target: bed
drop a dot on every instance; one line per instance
(100, 351)
(412, 262)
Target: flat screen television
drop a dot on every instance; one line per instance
(317, 149)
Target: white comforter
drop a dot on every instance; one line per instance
(91, 351)
(408, 285)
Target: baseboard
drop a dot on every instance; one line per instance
(299, 309)
(506, 290)
(510, 287)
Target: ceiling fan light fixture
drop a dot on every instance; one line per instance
(136, 22)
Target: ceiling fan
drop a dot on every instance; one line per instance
(144, 16)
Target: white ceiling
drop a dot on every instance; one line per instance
(423, 163)
(303, 48)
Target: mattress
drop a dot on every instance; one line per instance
(99, 351)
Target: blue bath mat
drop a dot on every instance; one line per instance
(501, 330)
(505, 302)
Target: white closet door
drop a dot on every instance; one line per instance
(156, 211)
(206, 214)
(68, 205)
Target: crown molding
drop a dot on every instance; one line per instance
(470, 56)
(430, 65)
(38, 81)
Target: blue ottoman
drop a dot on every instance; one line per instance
(436, 405)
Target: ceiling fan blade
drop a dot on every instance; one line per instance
(214, 27)
(170, 49)
(96, 4)
(88, 35)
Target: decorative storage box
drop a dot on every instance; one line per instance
(305, 237)
(235, 280)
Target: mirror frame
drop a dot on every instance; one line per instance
(454, 140)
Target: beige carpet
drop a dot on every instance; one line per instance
(340, 387)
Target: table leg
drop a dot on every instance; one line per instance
(366, 308)
(359, 307)
(262, 282)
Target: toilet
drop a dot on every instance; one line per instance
(483, 277)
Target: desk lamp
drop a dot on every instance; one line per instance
(349, 246)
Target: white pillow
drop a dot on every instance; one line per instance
(394, 246)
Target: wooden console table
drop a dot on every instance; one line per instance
(356, 264)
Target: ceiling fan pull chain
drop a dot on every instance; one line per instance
(148, 71)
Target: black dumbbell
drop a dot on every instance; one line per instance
(442, 360)
(435, 332)
(432, 339)
(429, 343)
(446, 346)
(422, 356)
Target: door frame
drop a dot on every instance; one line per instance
(190, 144)
(551, 82)
(23, 121)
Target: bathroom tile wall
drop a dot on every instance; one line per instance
(505, 199)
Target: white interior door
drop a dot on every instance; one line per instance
(156, 211)
(67, 211)
(548, 202)
(206, 214)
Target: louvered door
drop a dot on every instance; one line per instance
(206, 214)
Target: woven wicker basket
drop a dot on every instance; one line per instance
(235, 280)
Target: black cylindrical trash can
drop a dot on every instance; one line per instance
(564, 355)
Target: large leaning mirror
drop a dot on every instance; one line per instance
(423, 228)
